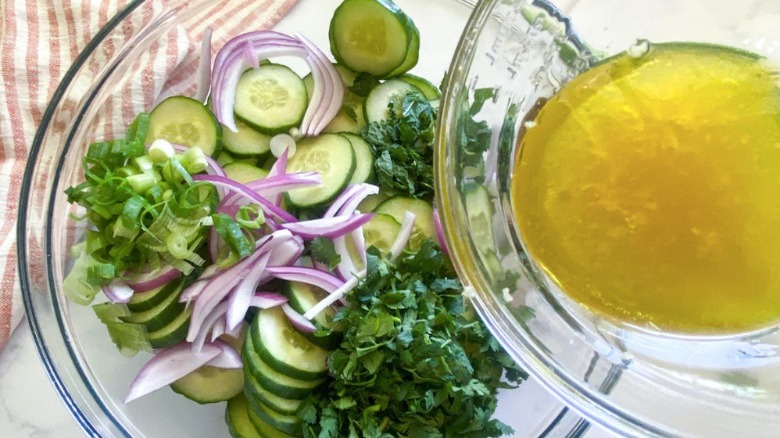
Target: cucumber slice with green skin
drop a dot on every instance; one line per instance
(255, 392)
(225, 158)
(271, 99)
(237, 419)
(332, 156)
(289, 424)
(430, 91)
(246, 142)
(371, 36)
(244, 172)
(423, 221)
(412, 53)
(264, 429)
(185, 121)
(302, 298)
(391, 91)
(381, 231)
(273, 381)
(284, 348)
(372, 202)
(160, 315)
(172, 333)
(210, 385)
(143, 301)
(364, 158)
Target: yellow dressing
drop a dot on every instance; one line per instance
(649, 189)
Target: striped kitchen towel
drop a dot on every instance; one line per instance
(39, 39)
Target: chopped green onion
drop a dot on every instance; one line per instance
(194, 160)
(232, 234)
(137, 130)
(161, 150)
(144, 163)
(250, 217)
(141, 182)
(176, 243)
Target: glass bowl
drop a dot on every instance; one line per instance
(83, 364)
(632, 380)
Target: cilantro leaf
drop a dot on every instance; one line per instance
(323, 250)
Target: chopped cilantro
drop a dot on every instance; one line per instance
(414, 360)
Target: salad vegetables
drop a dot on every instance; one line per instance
(272, 241)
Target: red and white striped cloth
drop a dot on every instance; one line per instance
(39, 39)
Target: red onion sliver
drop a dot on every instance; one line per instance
(346, 266)
(228, 358)
(118, 292)
(439, 231)
(359, 239)
(341, 199)
(328, 227)
(352, 203)
(302, 274)
(321, 112)
(216, 314)
(266, 300)
(204, 68)
(407, 225)
(337, 295)
(154, 279)
(297, 320)
(226, 183)
(241, 296)
(218, 329)
(168, 366)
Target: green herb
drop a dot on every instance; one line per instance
(476, 134)
(414, 360)
(363, 84)
(403, 148)
(323, 250)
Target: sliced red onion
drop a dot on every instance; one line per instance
(279, 168)
(331, 227)
(273, 185)
(228, 358)
(287, 251)
(152, 280)
(407, 225)
(204, 68)
(266, 300)
(302, 274)
(216, 314)
(337, 295)
(228, 184)
(328, 93)
(347, 202)
(118, 292)
(168, 366)
(231, 61)
(359, 239)
(298, 321)
(346, 266)
(218, 329)
(439, 231)
(241, 297)
(196, 288)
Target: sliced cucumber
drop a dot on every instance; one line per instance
(430, 91)
(160, 315)
(264, 429)
(412, 52)
(255, 392)
(246, 142)
(289, 424)
(284, 349)
(237, 419)
(332, 156)
(210, 384)
(381, 231)
(142, 301)
(244, 172)
(273, 381)
(364, 158)
(302, 298)
(372, 36)
(225, 158)
(185, 121)
(397, 206)
(372, 202)
(271, 99)
(172, 333)
(377, 105)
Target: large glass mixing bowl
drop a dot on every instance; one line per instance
(85, 367)
(631, 380)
